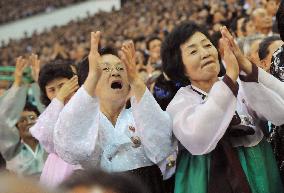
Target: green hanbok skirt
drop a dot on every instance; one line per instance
(258, 163)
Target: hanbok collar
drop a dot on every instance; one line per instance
(120, 116)
(199, 91)
(27, 147)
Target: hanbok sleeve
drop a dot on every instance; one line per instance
(168, 165)
(36, 93)
(11, 106)
(43, 129)
(76, 131)
(199, 125)
(154, 127)
(265, 95)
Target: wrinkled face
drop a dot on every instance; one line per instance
(271, 49)
(26, 121)
(262, 19)
(113, 84)
(200, 58)
(54, 86)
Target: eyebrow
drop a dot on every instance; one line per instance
(105, 63)
(194, 45)
(118, 64)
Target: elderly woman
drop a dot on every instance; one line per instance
(216, 120)
(95, 129)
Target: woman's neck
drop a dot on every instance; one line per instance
(204, 85)
(111, 110)
(32, 142)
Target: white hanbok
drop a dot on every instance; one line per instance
(200, 120)
(142, 135)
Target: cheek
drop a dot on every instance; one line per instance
(101, 87)
(213, 52)
(50, 95)
(192, 62)
(20, 126)
(192, 69)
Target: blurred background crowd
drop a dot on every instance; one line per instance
(15, 9)
(142, 21)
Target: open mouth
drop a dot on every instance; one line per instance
(116, 85)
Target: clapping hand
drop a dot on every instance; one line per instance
(35, 65)
(244, 64)
(94, 61)
(21, 64)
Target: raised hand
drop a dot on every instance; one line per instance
(232, 67)
(94, 61)
(68, 89)
(35, 65)
(94, 56)
(244, 64)
(128, 57)
(21, 64)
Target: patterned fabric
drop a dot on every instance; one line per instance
(276, 137)
(141, 137)
(277, 64)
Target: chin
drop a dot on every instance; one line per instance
(119, 93)
(213, 71)
(211, 75)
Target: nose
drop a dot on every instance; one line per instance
(204, 53)
(115, 73)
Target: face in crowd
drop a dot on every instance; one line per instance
(113, 84)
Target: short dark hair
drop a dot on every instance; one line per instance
(51, 71)
(150, 39)
(83, 65)
(117, 182)
(263, 46)
(30, 107)
(171, 53)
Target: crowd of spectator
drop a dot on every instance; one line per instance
(14, 9)
(141, 21)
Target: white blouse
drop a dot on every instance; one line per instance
(199, 124)
(141, 137)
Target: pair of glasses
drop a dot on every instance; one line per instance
(109, 69)
(29, 118)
